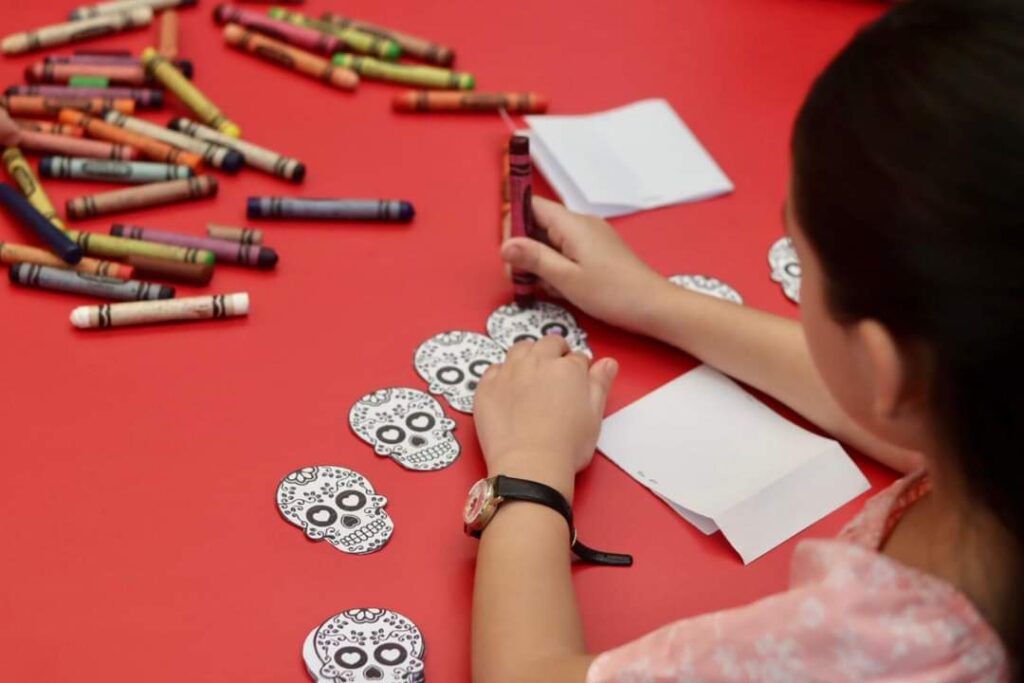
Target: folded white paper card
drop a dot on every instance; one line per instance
(640, 156)
(722, 459)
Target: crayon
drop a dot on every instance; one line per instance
(144, 98)
(198, 274)
(60, 34)
(230, 232)
(104, 8)
(225, 251)
(120, 248)
(174, 81)
(46, 143)
(49, 127)
(115, 74)
(389, 210)
(32, 105)
(431, 100)
(412, 46)
(351, 38)
(290, 57)
(299, 36)
(216, 156)
(521, 195)
(506, 191)
(141, 197)
(107, 171)
(27, 215)
(152, 149)
(169, 310)
(255, 156)
(23, 253)
(100, 52)
(413, 74)
(19, 169)
(76, 282)
(168, 36)
(184, 66)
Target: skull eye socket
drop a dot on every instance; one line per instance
(390, 654)
(555, 328)
(350, 500)
(350, 657)
(450, 375)
(391, 434)
(792, 268)
(478, 367)
(524, 337)
(420, 422)
(321, 515)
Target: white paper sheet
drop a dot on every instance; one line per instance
(640, 156)
(709, 448)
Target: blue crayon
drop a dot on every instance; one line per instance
(390, 210)
(58, 279)
(59, 243)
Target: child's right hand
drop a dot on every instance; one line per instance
(590, 265)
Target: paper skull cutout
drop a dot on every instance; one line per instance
(338, 505)
(786, 267)
(369, 645)
(510, 324)
(711, 286)
(452, 363)
(407, 425)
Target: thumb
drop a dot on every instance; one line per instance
(546, 263)
(602, 374)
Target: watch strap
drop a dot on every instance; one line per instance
(510, 488)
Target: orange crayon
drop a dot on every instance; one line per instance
(37, 105)
(152, 149)
(427, 100)
(22, 253)
(290, 57)
(50, 127)
(141, 197)
(168, 36)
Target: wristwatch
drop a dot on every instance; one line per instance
(487, 495)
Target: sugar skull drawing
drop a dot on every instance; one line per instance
(337, 505)
(452, 364)
(510, 324)
(370, 645)
(407, 425)
(711, 286)
(786, 267)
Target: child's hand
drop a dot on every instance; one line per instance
(538, 415)
(589, 265)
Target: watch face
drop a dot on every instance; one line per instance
(478, 497)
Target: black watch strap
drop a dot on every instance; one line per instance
(510, 488)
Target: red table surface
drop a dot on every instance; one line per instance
(139, 528)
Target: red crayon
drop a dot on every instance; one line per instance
(521, 190)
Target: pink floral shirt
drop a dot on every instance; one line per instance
(851, 614)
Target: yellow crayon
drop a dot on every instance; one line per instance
(30, 186)
(165, 72)
(413, 74)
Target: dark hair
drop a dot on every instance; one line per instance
(909, 185)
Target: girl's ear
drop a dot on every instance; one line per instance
(896, 386)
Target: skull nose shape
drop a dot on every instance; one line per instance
(372, 673)
(349, 521)
(471, 385)
(417, 441)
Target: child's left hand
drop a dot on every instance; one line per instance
(538, 415)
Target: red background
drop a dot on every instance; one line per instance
(137, 520)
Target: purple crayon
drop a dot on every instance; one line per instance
(224, 250)
(145, 98)
(524, 284)
(299, 36)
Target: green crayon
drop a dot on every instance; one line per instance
(352, 38)
(413, 74)
(120, 248)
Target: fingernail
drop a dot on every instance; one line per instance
(613, 367)
(513, 252)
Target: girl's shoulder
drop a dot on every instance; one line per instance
(851, 614)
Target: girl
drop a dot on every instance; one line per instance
(906, 207)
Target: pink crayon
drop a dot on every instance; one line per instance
(183, 65)
(299, 36)
(524, 284)
(49, 143)
(224, 250)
